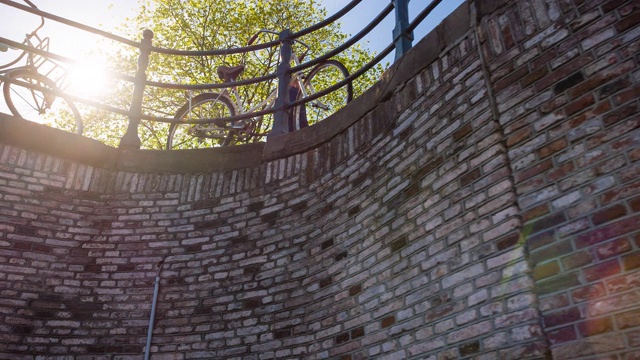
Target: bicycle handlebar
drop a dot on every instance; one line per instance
(28, 2)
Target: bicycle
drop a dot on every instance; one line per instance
(23, 85)
(216, 105)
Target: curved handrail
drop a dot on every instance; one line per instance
(71, 23)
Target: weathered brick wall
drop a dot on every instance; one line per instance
(480, 202)
(565, 76)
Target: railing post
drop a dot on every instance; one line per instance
(401, 38)
(131, 140)
(281, 115)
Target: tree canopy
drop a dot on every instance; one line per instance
(206, 25)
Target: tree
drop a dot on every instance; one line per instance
(206, 25)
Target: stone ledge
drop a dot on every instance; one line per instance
(33, 136)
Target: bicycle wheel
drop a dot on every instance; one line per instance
(321, 77)
(33, 104)
(200, 136)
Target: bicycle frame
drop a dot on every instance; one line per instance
(213, 109)
(268, 103)
(236, 99)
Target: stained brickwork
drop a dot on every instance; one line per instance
(486, 208)
(566, 79)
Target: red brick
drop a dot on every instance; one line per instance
(634, 155)
(533, 76)
(531, 184)
(469, 177)
(610, 6)
(508, 241)
(586, 32)
(42, 248)
(601, 108)
(631, 261)
(579, 104)
(589, 293)
(602, 270)
(462, 132)
(613, 248)
(628, 22)
(357, 332)
(586, 86)
(611, 165)
(518, 136)
(553, 105)
(534, 170)
(388, 321)
(620, 193)
(627, 95)
(628, 319)
(593, 326)
(635, 204)
(626, 143)
(535, 212)
(560, 172)
(563, 71)
(553, 148)
(21, 245)
(589, 4)
(608, 214)
(614, 87)
(342, 338)
(562, 317)
(620, 114)
(622, 284)
(513, 77)
(630, 173)
(610, 231)
(542, 60)
(561, 335)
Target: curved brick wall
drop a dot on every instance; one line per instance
(479, 202)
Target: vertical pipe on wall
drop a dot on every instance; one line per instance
(152, 316)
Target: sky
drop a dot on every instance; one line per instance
(109, 14)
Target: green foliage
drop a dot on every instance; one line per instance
(206, 25)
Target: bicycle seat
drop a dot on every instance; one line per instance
(230, 73)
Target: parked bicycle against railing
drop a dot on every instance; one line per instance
(217, 105)
(23, 86)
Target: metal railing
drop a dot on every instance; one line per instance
(402, 42)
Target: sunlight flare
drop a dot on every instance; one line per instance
(89, 78)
